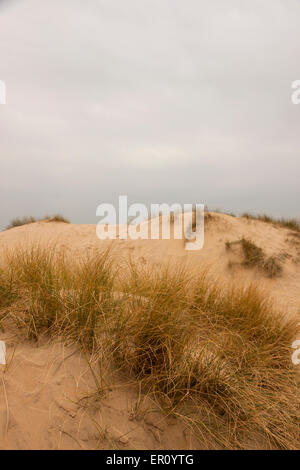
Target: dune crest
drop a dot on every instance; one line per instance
(50, 397)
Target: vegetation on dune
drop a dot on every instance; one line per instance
(17, 222)
(56, 218)
(254, 256)
(289, 223)
(292, 224)
(218, 359)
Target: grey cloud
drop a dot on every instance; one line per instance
(161, 100)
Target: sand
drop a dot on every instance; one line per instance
(47, 393)
(48, 401)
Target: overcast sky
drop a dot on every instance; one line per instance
(161, 100)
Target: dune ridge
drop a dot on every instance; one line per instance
(52, 383)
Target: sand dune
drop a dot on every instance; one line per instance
(48, 401)
(275, 241)
(47, 390)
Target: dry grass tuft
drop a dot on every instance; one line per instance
(56, 218)
(254, 256)
(17, 222)
(292, 224)
(218, 359)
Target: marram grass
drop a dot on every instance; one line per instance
(217, 358)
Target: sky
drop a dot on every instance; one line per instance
(160, 100)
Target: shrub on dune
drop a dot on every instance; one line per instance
(19, 221)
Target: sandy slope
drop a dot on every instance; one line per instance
(48, 401)
(281, 242)
(46, 393)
